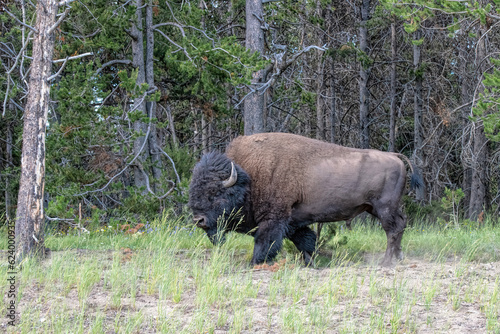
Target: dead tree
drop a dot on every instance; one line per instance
(30, 218)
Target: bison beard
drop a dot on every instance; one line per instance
(217, 205)
(273, 185)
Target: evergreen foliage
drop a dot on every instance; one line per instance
(202, 72)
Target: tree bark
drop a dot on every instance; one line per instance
(466, 67)
(333, 103)
(320, 103)
(204, 134)
(364, 73)
(30, 217)
(332, 110)
(171, 124)
(9, 162)
(480, 148)
(478, 177)
(139, 103)
(392, 122)
(151, 105)
(320, 83)
(418, 111)
(254, 103)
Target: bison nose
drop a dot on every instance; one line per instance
(201, 221)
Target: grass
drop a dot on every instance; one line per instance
(172, 280)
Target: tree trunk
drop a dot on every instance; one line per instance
(9, 162)
(364, 72)
(418, 111)
(478, 177)
(333, 106)
(197, 140)
(171, 124)
(480, 148)
(392, 125)
(254, 102)
(30, 217)
(8, 157)
(151, 106)
(204, 133)
(320, 103)
(140, 147)
(320, 83)
(466, 66)
(332, 114)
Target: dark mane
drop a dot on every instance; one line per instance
(207, 191)
(217, 166)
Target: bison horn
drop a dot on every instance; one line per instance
(232, 179)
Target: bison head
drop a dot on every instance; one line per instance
(217, 195)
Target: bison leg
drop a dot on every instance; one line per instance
(320, 227)
(401, 223)
(348, 224)
(268, 241)
(305, 240)
(394, 225)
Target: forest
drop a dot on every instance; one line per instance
(139, 90)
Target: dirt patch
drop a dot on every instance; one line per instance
(415, 296)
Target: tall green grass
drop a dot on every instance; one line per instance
(432, 242)
(173, 280)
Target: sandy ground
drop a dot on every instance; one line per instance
(460, 295)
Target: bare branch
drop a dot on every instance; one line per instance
(21, 22)
(250, 91)
(58, 22)
(173, 164)
(171, 11)
(52, 77)
(221, 30)
(201, 31)
(19, 55)
(112, 62)
(138, 164)
(73, 57)
(177, 45)
(16, 104)
(300, 53)
(6, 96)
(68, 220)
(106, 98)
(84, 36)
(65, 3)
(122, 6)
(282, 64)
(156, 26)
(228, 53)
(9, 50)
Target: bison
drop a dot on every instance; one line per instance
(273, 185)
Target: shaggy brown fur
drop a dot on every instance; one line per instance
(293, 181)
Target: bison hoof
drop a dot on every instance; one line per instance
(386, 263)
(308, 259)
(255, 262)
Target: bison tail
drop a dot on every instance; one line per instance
(416, 180)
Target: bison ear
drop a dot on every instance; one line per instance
(232, 179)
